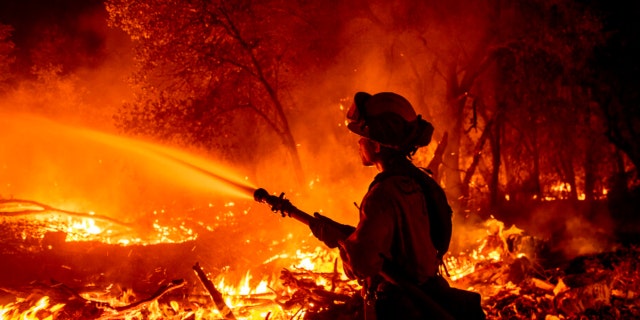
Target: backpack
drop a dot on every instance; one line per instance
(440, 213)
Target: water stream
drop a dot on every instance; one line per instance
(76, 168)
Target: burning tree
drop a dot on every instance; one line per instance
(204, 66)
(522, 123)
(480, 61)
(209, 69)
(513, 270)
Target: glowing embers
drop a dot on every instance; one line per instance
(494, 245)
(312, 282)
(71, 226)
(86, 225)
(89, 229)
(41, 310)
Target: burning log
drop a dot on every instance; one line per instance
(503, 267)
(218, 300)
(593, 292)
(601, 286)
(308, 284)
(18, 207)
(340, 302)
(56, 300)
(69, 304)
(175, 284)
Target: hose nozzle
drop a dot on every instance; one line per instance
(260, 195)
(284, 206)
(277, 203)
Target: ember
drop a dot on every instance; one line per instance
(508, 267)
(103, 267)
(537, 148)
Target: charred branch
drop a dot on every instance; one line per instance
(477, 153)
(436, 161)
(317, 302)
(18, 207)
(173, 285)
(69, 304)
(216, 295)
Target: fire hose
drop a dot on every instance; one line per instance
(284, 206)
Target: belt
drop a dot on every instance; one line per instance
(385, 289)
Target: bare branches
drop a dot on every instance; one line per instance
(71, 305)
(18, 207)
(164, 289)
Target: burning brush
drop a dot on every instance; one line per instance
(504, 267)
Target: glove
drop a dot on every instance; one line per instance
(329, 231)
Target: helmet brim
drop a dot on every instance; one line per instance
(359, 128)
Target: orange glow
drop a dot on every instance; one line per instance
(39, 311)
(256, 294)
(492, 247)
(238, 296)
(47, 161)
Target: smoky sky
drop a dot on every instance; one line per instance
(80, 29)
(74, 29)
(74, 34)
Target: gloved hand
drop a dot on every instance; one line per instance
(329, 231)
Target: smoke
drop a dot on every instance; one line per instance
(375, 46)
(569, 230)
(376, 53)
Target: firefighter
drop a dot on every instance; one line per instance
(394, 231)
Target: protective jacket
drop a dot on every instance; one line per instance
(395, 234)
(393, 227)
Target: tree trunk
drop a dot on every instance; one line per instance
(283, 130)
(436, 161)
(619, 184)
(451, 161)
(589, 174)
(573, 193)
(494, 183)
(457, 93)
(477, 153)
(537, 188)
(622, 128)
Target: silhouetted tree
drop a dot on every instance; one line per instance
(614, 77)
(460, 49)
(213, 71)
(6, 56)
(516, 69)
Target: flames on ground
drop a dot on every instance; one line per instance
(65, 265)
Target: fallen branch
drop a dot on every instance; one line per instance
(73, 305)
(435, 162)
(175, 284)
(218, 300)
(34, 207)
(311, 290)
